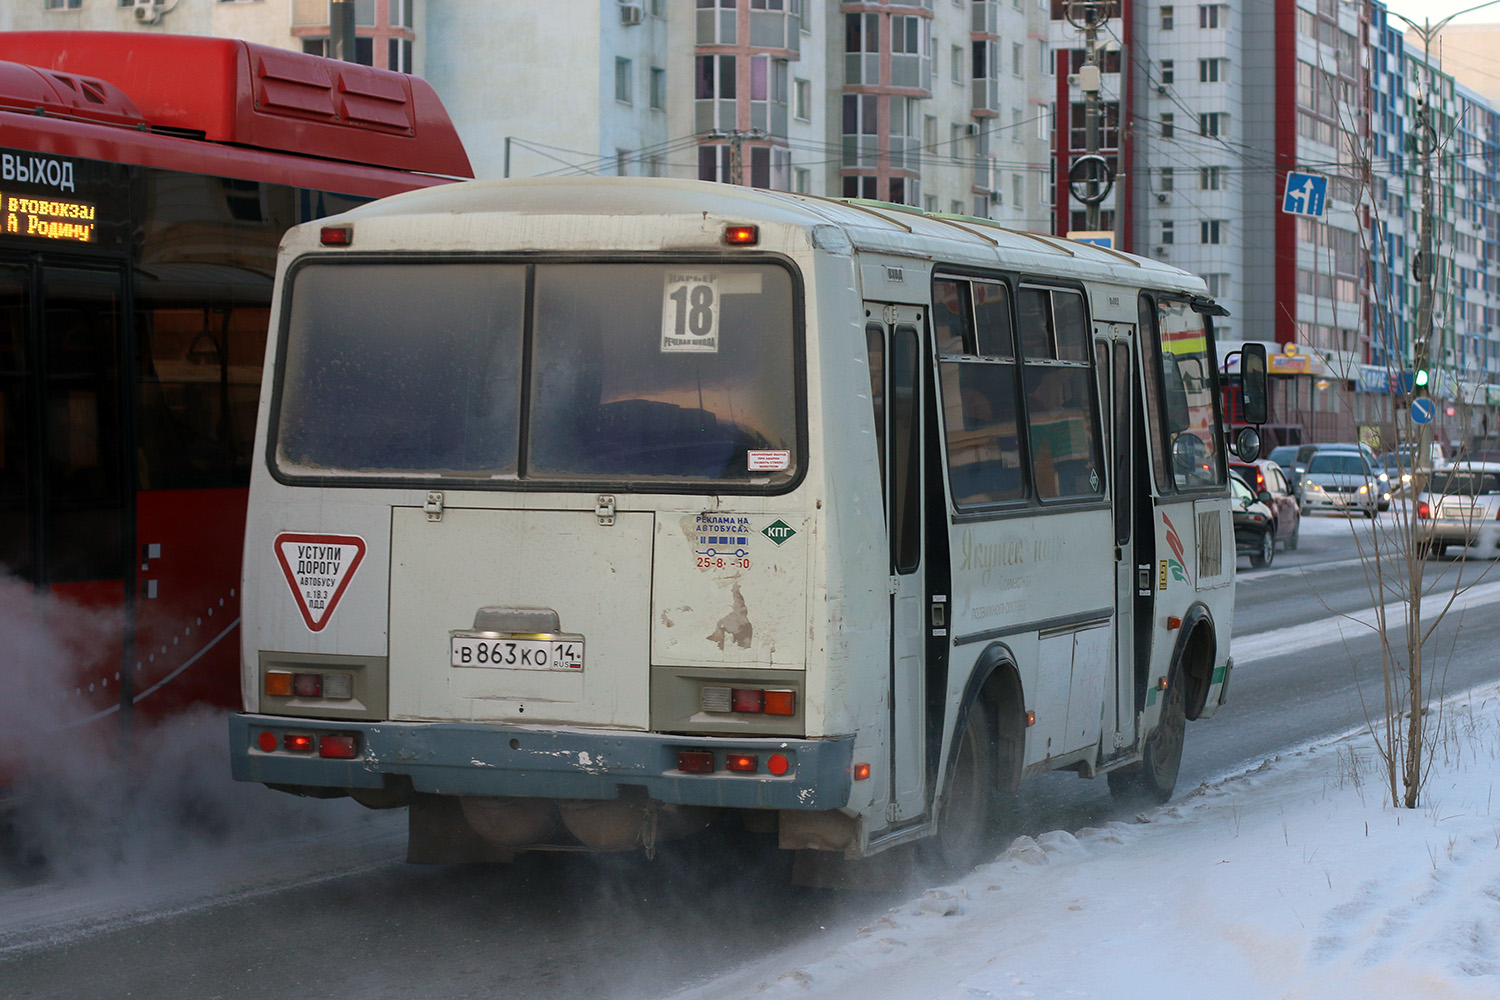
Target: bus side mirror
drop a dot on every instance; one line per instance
(1247, 444)
(1253, 383)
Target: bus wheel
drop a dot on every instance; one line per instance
(1151, 782)
(965, 814)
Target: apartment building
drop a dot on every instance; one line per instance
(978, 107)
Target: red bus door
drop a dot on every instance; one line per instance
(65, 496)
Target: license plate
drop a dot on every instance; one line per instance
(512, 652)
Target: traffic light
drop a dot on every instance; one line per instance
(1421, 382)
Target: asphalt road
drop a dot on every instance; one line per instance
(325, 917)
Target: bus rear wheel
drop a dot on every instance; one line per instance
(966, 813)
(1152, 782)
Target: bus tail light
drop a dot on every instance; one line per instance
(746, 763)
(341, 747)
(336, 236)
(307, 685)
(695, 761)
(279, 683)
(298, 743)
(781, 702)
(748, 700)
(1423, 510)
(861, 772)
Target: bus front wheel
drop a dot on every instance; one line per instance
(1152, 782)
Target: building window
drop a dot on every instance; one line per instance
(714, 164)
(1213, 124)
(1017, 60)
(1210, 178)
(1213, 15)
(398, 55)
(1210, 70)
(861, 187)
(715, 78)
(802, 89)
(1168, 234)
(1211, 231)
(802, 180)
(1017, 124)
(958, 64)
(65, 4)
(622, 162)
(1168, 128)
(1166, 18)
(955, 140)
(658, 88)
(1168, 71)
(400, 13)
(930, 133)
(1044, 58)
(622, 80)
(1017, 190)
(1218, 287)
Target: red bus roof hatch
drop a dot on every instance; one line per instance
(230, 91)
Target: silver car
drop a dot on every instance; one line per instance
(1340, 481)
(1461, 506)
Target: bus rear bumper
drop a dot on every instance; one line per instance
(500, 760)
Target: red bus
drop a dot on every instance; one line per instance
(145, 184)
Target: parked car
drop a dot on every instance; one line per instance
(1340, 481)
(1266, 475)
(1461, 506)
(1254, 524)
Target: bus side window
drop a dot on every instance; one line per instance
(952, 330)
(979, 406)
(1062, 427)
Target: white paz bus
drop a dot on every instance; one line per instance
(588, 512)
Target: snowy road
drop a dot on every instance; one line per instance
(267, 895)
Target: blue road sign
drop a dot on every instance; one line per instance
(1421, 411)
(1305, 194)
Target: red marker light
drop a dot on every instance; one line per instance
(298, 742)
(339, 747)
(748, 700)
(744, 762)
(268, 742)
(861, 772)
(336, 236)
(778, 765)
(695, 761)
(744, 236)
(1423, 511)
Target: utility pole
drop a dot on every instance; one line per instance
(1089, 16)
(341, 29)
(736, 139)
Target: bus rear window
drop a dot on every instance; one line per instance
(648, 373)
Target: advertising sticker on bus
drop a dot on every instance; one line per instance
(318, 568)
(690, 313)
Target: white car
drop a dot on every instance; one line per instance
(1461, 506)
(1340, 481)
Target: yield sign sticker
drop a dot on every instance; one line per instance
(319, 568)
